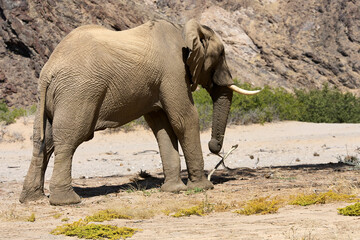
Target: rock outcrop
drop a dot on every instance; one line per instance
(293, 44)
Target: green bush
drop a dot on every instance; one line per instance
(266, 106)
(326, 105)
(204, 106)
(351, 210)
(271, 104)
(9, 115)
(329, 106)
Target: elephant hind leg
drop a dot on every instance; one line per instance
(69, 132)
(169, 152)
(33, 188)
(61, 191)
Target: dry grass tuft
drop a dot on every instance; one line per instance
(196, 210)
(345, 186)
(57, 215)
(13, 214)
(31, 218)
(262, 205)
(106, 215)
(321, 198)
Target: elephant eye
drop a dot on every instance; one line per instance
(203, 43)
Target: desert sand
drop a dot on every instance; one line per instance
(273, 159)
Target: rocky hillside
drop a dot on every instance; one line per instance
(293, 44)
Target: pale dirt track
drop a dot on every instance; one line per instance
(288, 157)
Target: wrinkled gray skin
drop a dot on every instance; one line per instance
(97, 79)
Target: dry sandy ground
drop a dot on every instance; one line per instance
(278, 159)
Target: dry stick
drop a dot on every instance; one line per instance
(222, 161)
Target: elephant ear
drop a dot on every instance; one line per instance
(196, 41)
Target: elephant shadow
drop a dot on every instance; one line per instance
(133, 185)
(149, 182)
(219, 177)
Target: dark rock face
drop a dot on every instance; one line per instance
(275, 42)
(31, 29)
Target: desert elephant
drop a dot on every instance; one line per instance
(98, 78)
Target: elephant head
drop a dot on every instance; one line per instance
(207, 65)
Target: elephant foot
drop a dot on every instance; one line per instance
(31, 195)
(64, 197)
(173, 186)
(203, 184)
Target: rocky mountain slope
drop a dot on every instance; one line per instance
(293, 44)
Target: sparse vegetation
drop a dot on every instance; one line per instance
(194, 191)
(83, 229)
(196, 210)
(321, 198)
(106, 215)
(351, 210)
(325, 105)
(57, 215)
(31, 218)
(8, 115)
(349, 160)
(201, 209)
(262, 205)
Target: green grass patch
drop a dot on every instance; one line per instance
(262, 205)
(82, 229)
(321, 198)
(351, 210)
(194, 191)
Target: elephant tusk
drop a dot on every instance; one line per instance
(243, 91)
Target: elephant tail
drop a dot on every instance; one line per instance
(43, 88)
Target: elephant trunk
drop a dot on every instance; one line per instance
(221, 96)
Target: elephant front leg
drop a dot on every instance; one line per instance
(169, 152)
(61, 191)
(188, 132)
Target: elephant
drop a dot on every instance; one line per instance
(97, 78)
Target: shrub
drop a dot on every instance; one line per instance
(260, 206)
(321, 198)
(9, 115)
(352, 210)
(328, 105)
(195, 210)
(200, 210)
(204, 106)
(82, 229)
(271, 104)
(106, 215)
